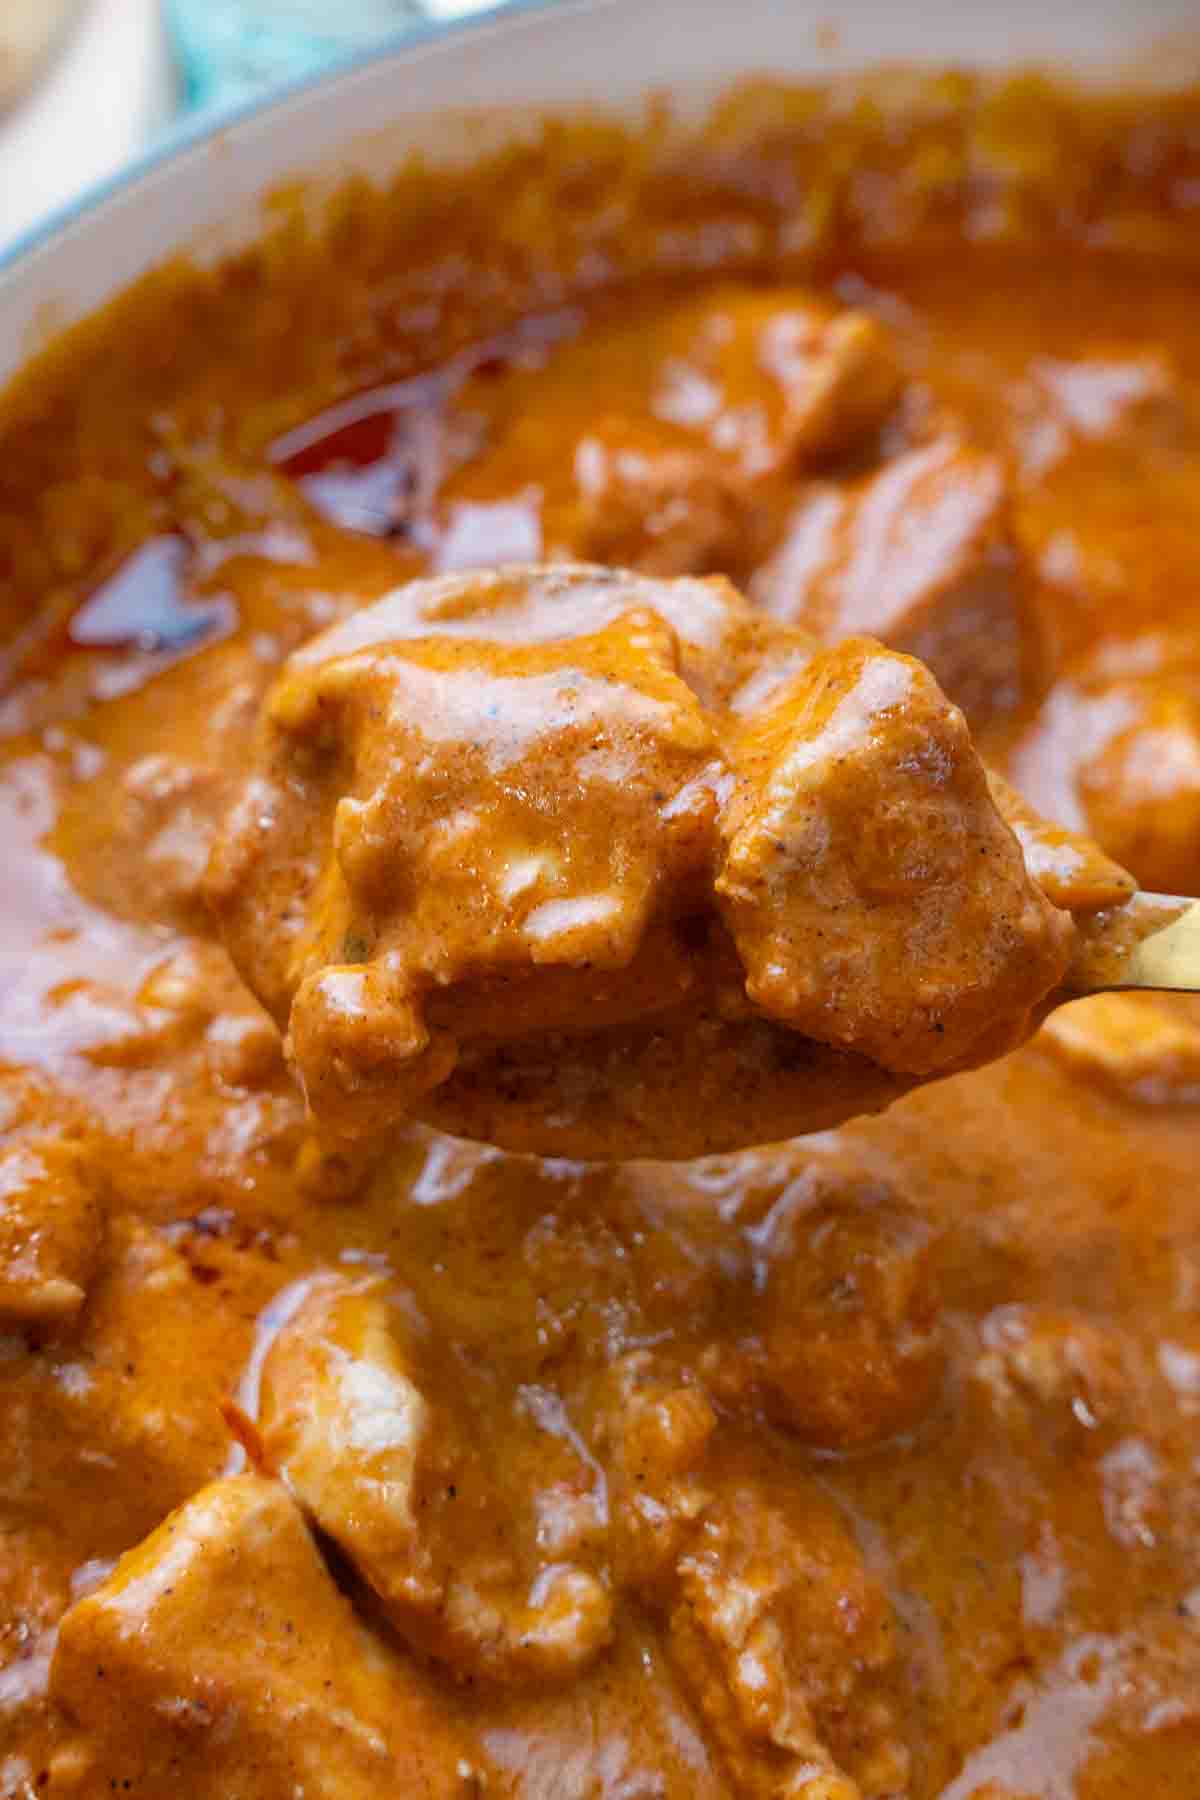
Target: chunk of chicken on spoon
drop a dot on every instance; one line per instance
(582, 863)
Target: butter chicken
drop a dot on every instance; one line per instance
(656, 642)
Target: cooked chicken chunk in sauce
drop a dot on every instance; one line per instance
(670, 449)
(219, 1657)
(559, 800)
(387, 1476)
(922, 554)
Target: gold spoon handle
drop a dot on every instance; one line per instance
(1151, 942)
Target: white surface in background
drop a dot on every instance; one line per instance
(453, 9)
(108, 90)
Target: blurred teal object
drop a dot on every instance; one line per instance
(229, 49)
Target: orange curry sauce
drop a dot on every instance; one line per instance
(859, 1467)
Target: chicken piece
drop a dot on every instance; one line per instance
(634, 493)
(877, 900)
(921, 555)
(1141, 792)
(1137, 1046)
(1116, 751)
(497, 814)
(774, 379)
(852, 1347)
(1131, 405)
(531, 854)
(1071, 871)
(658, 436)
(1053, 1375)
(845, 1346)
(403, 1486)
(1079, 1394)
(781, 1635)
(51, 1232)
(126, 1406)
(655, 1431)
(344, 1424)
(220, 1658)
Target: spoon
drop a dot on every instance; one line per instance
(607, 866)
(1151, 943)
